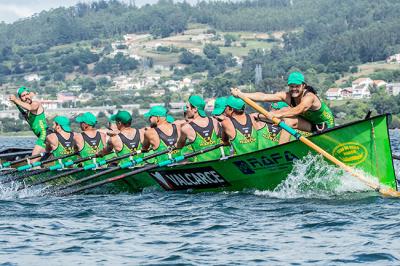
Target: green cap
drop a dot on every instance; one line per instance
(87, 118)
(170, 119)
(279, 105)
(122, 116)
(219, 105)
(63, 122)
(198, 102)
(22, 90)
(157, 110)
(295, 78)
(235, 103)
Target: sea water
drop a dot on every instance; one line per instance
(302, 222)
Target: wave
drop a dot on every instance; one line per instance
(313, 177)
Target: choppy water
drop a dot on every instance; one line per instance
(290, 226)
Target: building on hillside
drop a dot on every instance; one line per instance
(66, 96)
(346, 93)
(32, 77)
(51, 104)
(393, 89)
(361, 88)
(84, 97)
(334, 94)
(76, 88)
(379, 83)
(394, 59)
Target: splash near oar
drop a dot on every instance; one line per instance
(29, 166)
(124, 165)
(87, 167)
(143, 169)
(386, 191)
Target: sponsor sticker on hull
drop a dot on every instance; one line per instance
(350, 153)
(181, 179)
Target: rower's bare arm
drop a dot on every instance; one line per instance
(32, 107)
(259, 96)
(305, 104)
(148, 135)
(182, 138)
(51, 143)
(141, 134)
(78, 141)
(107, 148)
(227, 131)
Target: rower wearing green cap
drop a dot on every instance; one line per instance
(128, 139)
(267, 132)
(239, 128)
(201, 132)
(219, 114)
(33, 113)
(90, 141)
(161, 134)
(306, 110)
(61, 142)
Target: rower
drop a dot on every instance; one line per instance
(161, 134)
(268, 133)
(61, 142)
(33, 113)
(239, 128)
(185, 118)
(307, 111)
(90, 141)
(201, 132)
(219, 114)
(128, 139)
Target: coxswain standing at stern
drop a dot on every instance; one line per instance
(306, 110)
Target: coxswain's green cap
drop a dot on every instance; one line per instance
(219, 105)
(279, 105)
(235, 103)
(295, 78)
(22, 90)
(170, 119)
(198, 102)
(157, 110)
(122, 116)
(87, 118)
(63, 122)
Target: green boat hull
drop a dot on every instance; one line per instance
(364, 145)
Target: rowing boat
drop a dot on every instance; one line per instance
(364, 145)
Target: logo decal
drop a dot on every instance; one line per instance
(200, 177)
(350, 153)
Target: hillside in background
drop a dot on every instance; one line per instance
(146, 52)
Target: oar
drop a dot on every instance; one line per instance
(85, 168)
(51, 168)
(8, 164)
(122, 166)
(35, 164)
(148, 167)
(383, 190)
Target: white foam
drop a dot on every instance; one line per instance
(10, 191)
(313, 177)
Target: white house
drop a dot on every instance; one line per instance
(334, 94)
(379, 83)
(32, 77)
(360, 88)
(393, 88)
(393, 59)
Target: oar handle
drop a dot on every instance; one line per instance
(8, 164)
